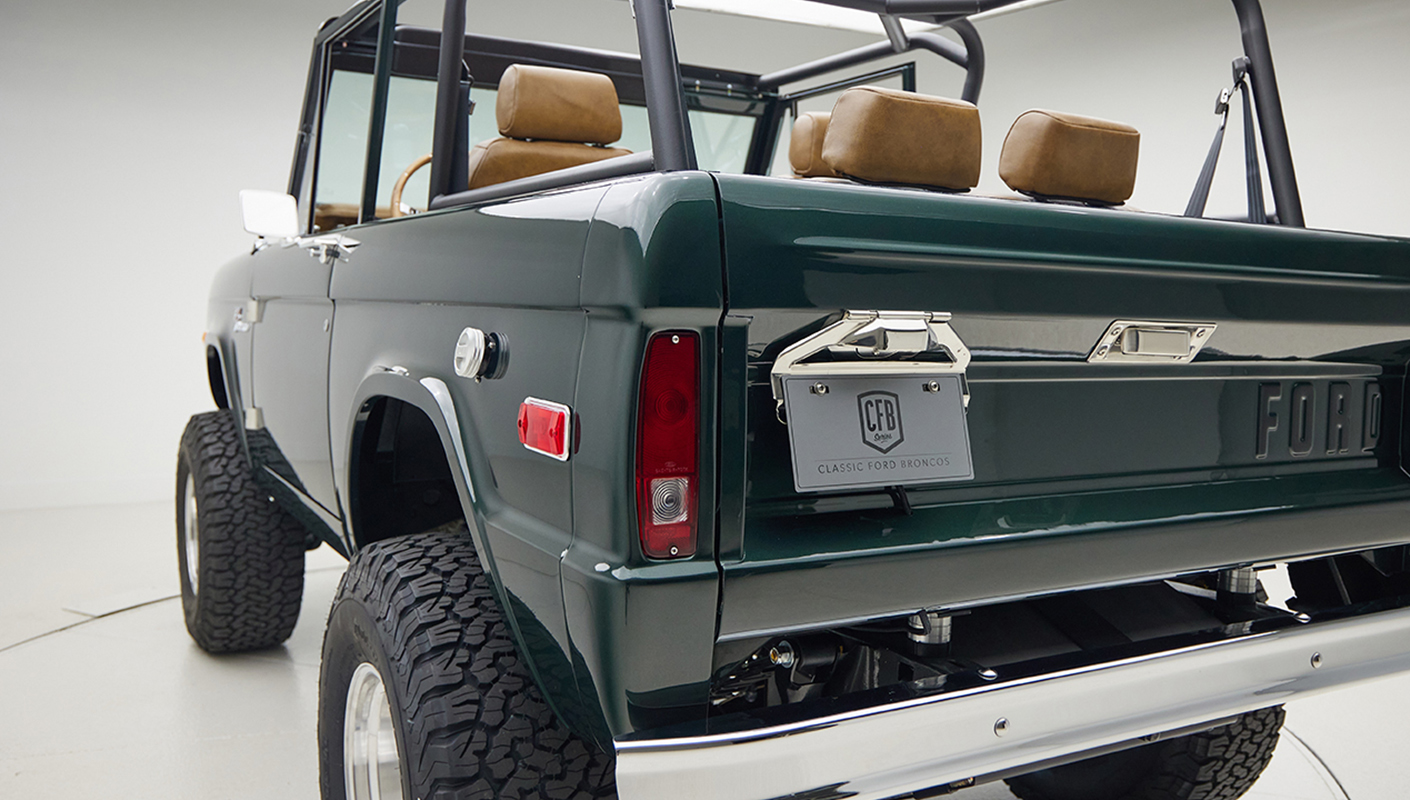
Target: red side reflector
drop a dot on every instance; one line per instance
(546, 427)
(668, 435)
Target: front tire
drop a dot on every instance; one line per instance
(1218, 764)
(418, 612)
(241, 557)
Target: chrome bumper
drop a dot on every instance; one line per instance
(892, 750)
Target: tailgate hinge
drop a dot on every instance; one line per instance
(872, 336)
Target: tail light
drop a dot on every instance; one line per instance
(667, 442)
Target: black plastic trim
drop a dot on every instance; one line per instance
(215, 373)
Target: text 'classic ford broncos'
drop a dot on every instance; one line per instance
(663, 476)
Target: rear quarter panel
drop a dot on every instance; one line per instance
(401, 301)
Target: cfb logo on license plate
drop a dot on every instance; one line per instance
(880, 420)
(861, 432)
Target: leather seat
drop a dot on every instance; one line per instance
(889, 136)
(549, 119)
(806, 146)
(1053, 155)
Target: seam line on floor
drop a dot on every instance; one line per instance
(85, 622)
(1322, 766)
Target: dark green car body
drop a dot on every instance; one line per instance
(1085, 474)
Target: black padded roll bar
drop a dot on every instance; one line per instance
(1271, 122)
(665, 99)
(974, 59)
(970, 56)
(444, 180)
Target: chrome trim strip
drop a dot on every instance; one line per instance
(918, 744)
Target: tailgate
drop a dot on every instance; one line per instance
(1292, 404)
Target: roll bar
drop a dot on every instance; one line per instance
(1269, 103)
(970, 57)
(671, 143)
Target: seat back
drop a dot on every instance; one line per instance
(1052, 155)
(889, 136)
(549, 119)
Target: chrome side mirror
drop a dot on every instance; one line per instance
(270, 215)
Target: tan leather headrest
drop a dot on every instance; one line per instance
(805, 149)
(560, 105)
(890, 136)
(1053, 154)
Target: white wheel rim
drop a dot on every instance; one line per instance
(371, 763)
(192, 536)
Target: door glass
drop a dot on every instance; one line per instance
(342, 146)
(636, 130)
(721, 140)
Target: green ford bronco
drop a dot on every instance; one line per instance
(665, 476)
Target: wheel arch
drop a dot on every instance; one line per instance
(382, 396)
(431, 399)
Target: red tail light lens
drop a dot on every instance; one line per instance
(667, 441)
(545, 427)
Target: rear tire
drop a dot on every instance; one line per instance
(1218, 764)
(241, 557)
(469, 722)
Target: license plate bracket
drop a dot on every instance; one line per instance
(859, 432)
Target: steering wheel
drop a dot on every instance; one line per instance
(401, 183)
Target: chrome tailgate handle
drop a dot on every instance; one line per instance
(1158, 342)
(876, 335)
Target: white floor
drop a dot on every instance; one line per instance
(102, 694)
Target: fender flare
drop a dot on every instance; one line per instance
(460, 443)
(218, 373)
(215, 376)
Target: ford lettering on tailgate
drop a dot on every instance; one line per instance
(1318, 419)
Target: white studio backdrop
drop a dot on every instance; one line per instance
(128, 129)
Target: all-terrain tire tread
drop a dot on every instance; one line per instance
(1219, 764)
(474, 717)
(251, 575)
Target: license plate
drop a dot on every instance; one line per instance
(859, 432)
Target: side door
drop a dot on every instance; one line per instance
(290, 312)
(291, 319)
